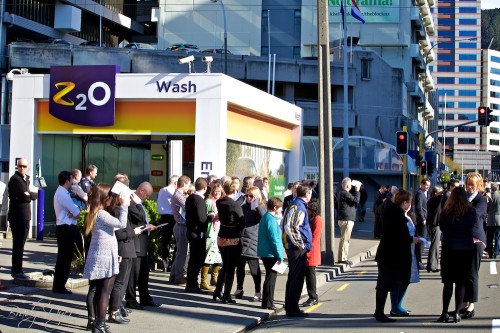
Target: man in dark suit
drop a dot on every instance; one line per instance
(378, 198)
(421, 212)
(19, 215)
(289, 198)
(196, 223)
(139, 275)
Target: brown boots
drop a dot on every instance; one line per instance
(215, 274)
(204, 278)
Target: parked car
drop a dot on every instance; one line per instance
(181, 47)
(91, 43)
(216, 51)
(139, 46)
(57, 41)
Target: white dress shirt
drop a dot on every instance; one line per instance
(164, 200)
(64, 206)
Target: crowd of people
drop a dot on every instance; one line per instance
(221, 225)
(462, 224)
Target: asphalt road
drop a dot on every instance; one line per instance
(347, 304)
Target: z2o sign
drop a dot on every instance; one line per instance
(83, 95)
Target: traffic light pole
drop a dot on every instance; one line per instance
(448, 128)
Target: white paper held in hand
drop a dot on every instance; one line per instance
(121, 189)
(280, 267)
(356, 183)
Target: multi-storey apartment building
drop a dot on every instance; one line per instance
(457, 72)
(490, 88)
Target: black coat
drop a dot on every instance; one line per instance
(394, 250)
(434, 207)
(457, 233)
(231, 218)
(347, 205)
(137, 218)
(421, 207)
(250, 235)
(125, 238)
(196, 215)
(481, 206)
(20, 203)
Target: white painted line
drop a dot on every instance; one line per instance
(495, 326)
(493, 267)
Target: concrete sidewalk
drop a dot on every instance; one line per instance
(23, 308)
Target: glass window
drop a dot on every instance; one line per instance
(467, 10)
(495, 82)
(494, 142)
(494, 130)
(495, 71)
(467, 21)
(467, 45)
(467, 80)
(446, 33)
(446, 10)
(446, 22)
(467, 105)
(494, 94)
(296, 20)
(365, 69)
(446, 57)
(467, 116)
(468, 129)
(443, 69)
(467, 69)
(466, 57)
(466, 141)
(447, 92)
(467, 93)
(444, 80)
(494, 106)
(467, 33)
(495, 59)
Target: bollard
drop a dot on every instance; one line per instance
(40, 215)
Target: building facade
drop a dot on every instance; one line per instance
(490, 88)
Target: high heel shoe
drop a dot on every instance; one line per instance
(238, 294)
(456, 317)
(90, 323)
(469, 314)
(216, 295)
(100, 327)
(443, 318)
(228, 300)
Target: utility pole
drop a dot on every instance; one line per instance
(325, 135)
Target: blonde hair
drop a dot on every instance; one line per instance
(255, 191)
(476, 179)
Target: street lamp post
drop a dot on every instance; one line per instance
(225, 33)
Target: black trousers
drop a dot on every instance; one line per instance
(20, 229)
(138, 280)
(166, 236)
(230, 256)
(120, 285)
(253, 264)
(421, 230)
(295, 280)
(66, 246)
(311, 282)
(197, 252)
(269, 282)
(472, 287)
(435, 238)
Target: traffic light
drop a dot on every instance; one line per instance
(482, 116)
(402, 142)
(489, 118)
(423, 168)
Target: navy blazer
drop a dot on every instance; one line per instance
(481, 206)
(421, 206)
(137, 218)
(457, 233)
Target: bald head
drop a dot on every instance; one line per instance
(22, 165)
(144, 190)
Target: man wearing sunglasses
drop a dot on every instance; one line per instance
(19, 214)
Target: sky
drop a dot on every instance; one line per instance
(490, 4)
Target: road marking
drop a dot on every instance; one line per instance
(495, 326)
(342, 287)
(312, 308)
(493, 267)
(362, 272)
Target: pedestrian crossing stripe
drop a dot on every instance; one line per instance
(493, 267)
(495, 326)
(342, 287)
